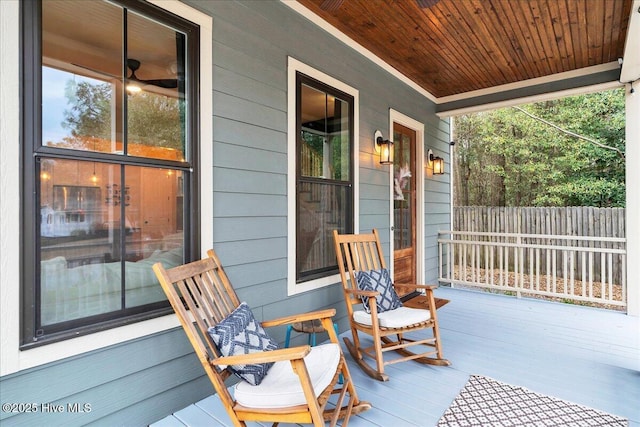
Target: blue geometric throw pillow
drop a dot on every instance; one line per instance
(380, 281)
(240, 333)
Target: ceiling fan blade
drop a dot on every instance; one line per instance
(134, 65)
(424, 4)
(331, 5)
(165, 83)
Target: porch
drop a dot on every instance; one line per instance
(584, 355)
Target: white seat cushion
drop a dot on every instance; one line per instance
(398, 318)
(281, 387)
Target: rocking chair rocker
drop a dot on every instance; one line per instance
(360, 256)
(298, 381)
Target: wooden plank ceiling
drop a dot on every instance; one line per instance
(449, 47)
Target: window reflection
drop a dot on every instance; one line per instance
(99, 240)
(84, 103)
(76, 111)
(108, 169)
(324, 152)
(324, 193)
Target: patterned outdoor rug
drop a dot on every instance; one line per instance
(486, 402)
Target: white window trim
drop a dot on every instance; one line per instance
(404, 120)
(12, 359)
(293, 67)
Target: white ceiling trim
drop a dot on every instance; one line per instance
(595, 69)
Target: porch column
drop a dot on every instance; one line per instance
(633, 198)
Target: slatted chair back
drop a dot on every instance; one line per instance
(201, 296)
(360, 252)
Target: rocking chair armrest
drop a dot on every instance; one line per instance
(294, 318)
(415, 286)
(278, 355)
(361, 293)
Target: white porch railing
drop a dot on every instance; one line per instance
(572, 268)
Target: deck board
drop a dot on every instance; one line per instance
(583, 355)
(194, 415)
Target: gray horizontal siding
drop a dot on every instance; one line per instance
(126, 377)
(141, 381)
(249, 205)
(249, 135)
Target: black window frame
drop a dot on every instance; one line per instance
(32, 150)
(303, 79)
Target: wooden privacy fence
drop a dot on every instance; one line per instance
(582, 221)
(564, 221)
(570, 253)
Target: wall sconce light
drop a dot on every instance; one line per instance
(436, 163)
(384, 147)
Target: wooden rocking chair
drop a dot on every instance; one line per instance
(297, 387)
(363, 253)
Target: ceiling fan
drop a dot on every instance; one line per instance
(134, 65)
(334, 5)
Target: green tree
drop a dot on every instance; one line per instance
(90, 112)
(152, 119)
(471, 150)
(155, 120)
(526, 156)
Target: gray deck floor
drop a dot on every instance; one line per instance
(583, 355)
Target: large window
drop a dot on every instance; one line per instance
(110, 156)
(324, 174)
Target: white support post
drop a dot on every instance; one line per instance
(632, 153)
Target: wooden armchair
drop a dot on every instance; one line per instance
(363, 253)
(299, 383)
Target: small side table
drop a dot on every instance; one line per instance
(310, 327)
(421, 301)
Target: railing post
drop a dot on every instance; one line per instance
(568, 271)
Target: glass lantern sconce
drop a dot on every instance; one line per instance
(435, 163)
(384, 147)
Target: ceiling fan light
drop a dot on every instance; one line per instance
(132, 88)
